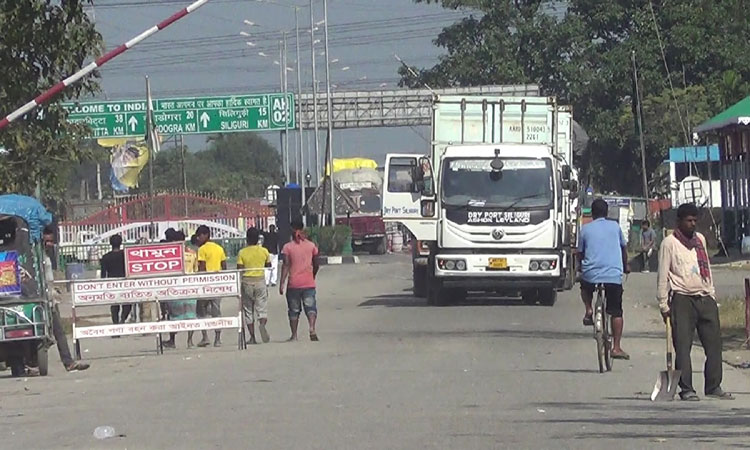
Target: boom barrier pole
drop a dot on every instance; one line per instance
(60, 86)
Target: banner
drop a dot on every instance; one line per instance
(187, 287)
(127, 158)
(10, 275)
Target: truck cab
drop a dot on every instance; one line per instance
(487, 216)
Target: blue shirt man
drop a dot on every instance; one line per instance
(600, 243)
(603, 259)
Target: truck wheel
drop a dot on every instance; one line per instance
(547, 297)
(529, 296)
(437, 295)
(379, 248)
(419, 280)
(42, 360)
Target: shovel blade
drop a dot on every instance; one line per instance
(666, 385)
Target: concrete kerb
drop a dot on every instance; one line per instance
(337, 260)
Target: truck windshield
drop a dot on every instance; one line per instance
(522, 183)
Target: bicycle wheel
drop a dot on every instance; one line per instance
(599, 333)
(607, 341)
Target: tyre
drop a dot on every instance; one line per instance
(547, 297)
(42, 360)
(607, 342)
(419, 281)
(599, 336)
(437, 295)
(379, 248)
(529, 296)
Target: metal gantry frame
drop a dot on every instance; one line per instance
(389, 108)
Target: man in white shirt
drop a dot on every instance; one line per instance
(685, 273)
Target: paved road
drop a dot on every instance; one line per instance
(389, 373)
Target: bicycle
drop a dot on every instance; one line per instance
(602, 323)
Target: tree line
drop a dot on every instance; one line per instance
(693, 60)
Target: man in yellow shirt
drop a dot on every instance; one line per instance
(211, 258)
(254, 289)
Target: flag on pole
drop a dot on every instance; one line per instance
(152, 134)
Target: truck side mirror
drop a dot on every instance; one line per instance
(428, 208)
(425, 170)
(567, 172)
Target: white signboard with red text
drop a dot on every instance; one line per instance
(127, 329)
(155, 260)
(176, 287)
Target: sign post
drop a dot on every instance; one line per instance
(195, 115)
(156, 287)
(156, 259)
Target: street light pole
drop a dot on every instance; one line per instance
(286, 110)
(314, 94)
(329, 152)
(281, 133)
(300, 154)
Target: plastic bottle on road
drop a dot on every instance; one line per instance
(104, 432)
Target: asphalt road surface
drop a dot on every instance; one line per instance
(388, 373)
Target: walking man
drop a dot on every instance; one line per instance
(113, 266)
(685, 273)
(211, 258)
(300, 269)
(71, 365)
(271, 243)
(648, 243)
(254, 289)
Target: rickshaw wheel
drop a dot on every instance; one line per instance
(42, 361)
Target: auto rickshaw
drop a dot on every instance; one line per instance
(25, 310)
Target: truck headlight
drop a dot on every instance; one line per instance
(452, 264)
(542, 264)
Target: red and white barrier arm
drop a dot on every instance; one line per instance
(57, 88)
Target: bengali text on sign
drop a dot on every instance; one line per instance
(178, 287)
(156, 259)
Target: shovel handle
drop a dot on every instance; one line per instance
(670, 349)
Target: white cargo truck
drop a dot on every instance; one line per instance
(490, 206)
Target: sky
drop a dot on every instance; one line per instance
(204, 54)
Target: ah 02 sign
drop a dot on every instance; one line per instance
(156, 259)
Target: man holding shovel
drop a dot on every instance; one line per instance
(685, 272)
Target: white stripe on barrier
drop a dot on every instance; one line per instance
(173, 326)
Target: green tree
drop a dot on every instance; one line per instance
(42, 43)
(238, 166)
(580, 51)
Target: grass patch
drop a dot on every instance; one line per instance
(732, 317)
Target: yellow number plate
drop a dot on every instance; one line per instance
(498, 263)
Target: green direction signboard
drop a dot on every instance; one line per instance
(197, 115)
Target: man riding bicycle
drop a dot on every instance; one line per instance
(603, 258)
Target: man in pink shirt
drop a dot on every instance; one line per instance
(300, 268)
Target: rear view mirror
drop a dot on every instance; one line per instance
(566, 172)
(428, 208)
(425, 170)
